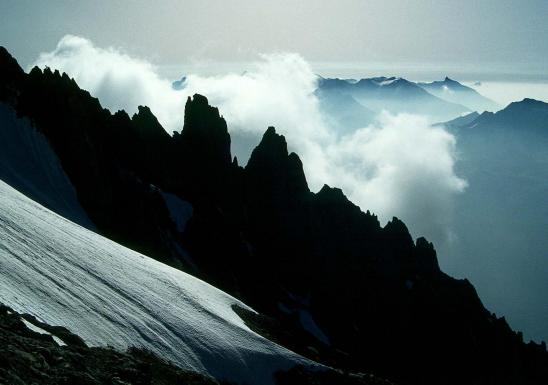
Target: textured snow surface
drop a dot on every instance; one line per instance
(28, 163)
(67, 275)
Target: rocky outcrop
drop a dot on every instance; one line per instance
(207, 130)
(37, 353)
(273, 170)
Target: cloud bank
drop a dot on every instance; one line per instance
(399, 166)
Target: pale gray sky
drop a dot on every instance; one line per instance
(511, 32)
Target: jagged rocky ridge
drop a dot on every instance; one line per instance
(357, 295)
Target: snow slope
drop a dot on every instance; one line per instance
(28, 163)
(67, 275)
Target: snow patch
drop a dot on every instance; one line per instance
(110, 295)
(387, 82)
(447, 90)
(34, 328)
(37, 329)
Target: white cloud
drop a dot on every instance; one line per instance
(398, 166)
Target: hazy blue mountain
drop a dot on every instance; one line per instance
(343, 111)
(527, 116)
(455, 92)
(502, 218)
(461, 121)
(396, 95)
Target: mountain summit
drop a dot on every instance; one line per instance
(455, 92)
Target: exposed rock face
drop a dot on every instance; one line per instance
(313, 261)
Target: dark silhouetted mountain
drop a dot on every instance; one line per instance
(203, 150)
(11, 76)
(356, 295)
(455, 92)
(396, 95)
(274, 170)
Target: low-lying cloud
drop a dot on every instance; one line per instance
(398, 166)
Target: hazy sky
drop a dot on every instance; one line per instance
(510, 32)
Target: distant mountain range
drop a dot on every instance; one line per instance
(441, 100)
(343, 111)
(330, 284)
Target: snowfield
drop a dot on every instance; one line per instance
(65, 274)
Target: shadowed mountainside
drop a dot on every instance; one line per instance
(502, 219)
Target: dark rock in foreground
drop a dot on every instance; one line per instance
(30, 357)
